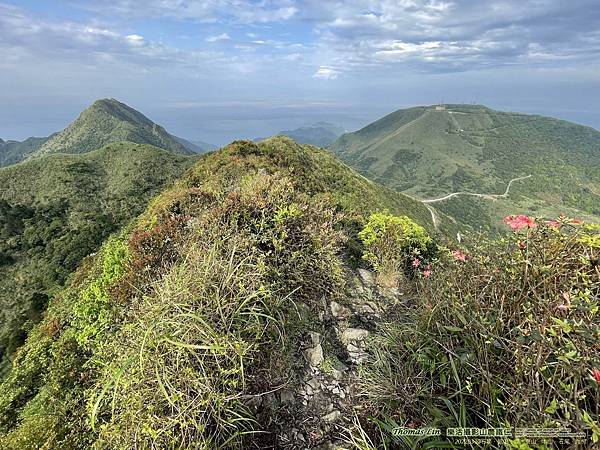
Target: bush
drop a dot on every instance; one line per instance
(507, 337)
(392, 244)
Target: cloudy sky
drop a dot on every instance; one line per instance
(217, 70)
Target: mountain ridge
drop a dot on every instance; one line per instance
(319, 134)
(432, 151)
(12, 151)
(107, 121)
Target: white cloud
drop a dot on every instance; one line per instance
(207, 11)
(219, 37)
(326, 73)
(135, 39)
(436, 35)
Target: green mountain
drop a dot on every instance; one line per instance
(108, 121)
(195, 146)
(255, 221)
(320, 134)
(57, 209)
(12, 152)
(430, 152)
(275, 298)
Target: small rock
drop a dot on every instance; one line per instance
(338, 368)
(315, 338)
(357, 291)
(371, 308)
(366, 277)
(353, 334)
(353, 348)
(340, 312)
(314, 355)
(332, 416)
(313, 383)
(337, 374)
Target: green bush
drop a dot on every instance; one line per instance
(507, 337)
(393, 243)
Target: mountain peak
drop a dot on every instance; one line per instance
(106, 121)
(440, 152)
(320, 134)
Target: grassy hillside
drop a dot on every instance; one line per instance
(266, 300)
(108, 121)
(271, 215)
(57, 209)
(12, 152)
(274, 298)
(430, 153)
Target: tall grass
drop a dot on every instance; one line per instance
(507, 338)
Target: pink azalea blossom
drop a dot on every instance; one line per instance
(519, 222)
(553, 223)
(596, 374)
(416, 262)
(459, 256)
(427, 273)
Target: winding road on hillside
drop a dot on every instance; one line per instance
(484, 196)
(434, 217)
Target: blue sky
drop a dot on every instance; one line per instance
(219, 70)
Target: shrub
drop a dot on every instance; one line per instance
(392, 243)
(507, 337)
(92, 312)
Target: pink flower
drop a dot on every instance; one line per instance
(416, 262)
(459, 256)
(519, 222)
(553, 223)
(596, 374)
(567, 303)
(576, 222)
(427, 273)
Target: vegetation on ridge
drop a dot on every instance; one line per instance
(237, 288)
(58, 209)
(257, 222)
(503, 336)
